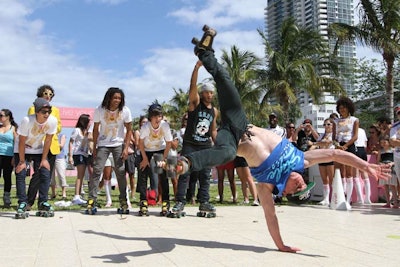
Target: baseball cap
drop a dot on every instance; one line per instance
(41, 103)
(302, 196)
(307, 121)
(207, 87)
(155, 109)
(273, 115)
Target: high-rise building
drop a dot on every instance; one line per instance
(316, 14)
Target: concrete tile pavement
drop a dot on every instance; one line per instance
(365, 236)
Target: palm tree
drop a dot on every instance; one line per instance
(176, 107)
(379, 29)
(242, 66)
(297, 61)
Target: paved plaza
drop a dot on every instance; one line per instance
(364, 236)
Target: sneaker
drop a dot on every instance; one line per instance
(78, 201)
(246, 201)
(255, 203)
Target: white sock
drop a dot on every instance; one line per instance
(358, 190)
(344, 185)
(367, 187)
(127, 197)
(349, 189)
(327, 191)
(107, 188)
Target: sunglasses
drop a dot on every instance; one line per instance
(291, 127)
(372, 132)
(3, 115)
(43, 111)
(327, 124)
(48, 94)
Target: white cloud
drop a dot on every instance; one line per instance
(221, 13)
(30, 58)
(107, 2)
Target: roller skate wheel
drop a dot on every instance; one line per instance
(201, 214)
(195, 41)
(211, 215)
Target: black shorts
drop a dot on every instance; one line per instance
(361, 153)
(326, 163)
(81, 160)
(240, 162)
(352, 149)
(130, 163)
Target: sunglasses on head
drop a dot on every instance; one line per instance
(45, 111)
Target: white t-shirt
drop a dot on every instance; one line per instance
(344, 128)
(326, 137)
(35, 133)
(362, 138)
(395, 134)
(155, 139)
(112, 126)
(278, 130)
(80, 144)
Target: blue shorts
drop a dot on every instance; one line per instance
(283, 160)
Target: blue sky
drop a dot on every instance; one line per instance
(83, 47)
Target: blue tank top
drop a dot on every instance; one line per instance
(276, 169)
(7, 143)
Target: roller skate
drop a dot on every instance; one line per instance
(206, 210)
(91, 208)
(21, 211)
(165, 208)
(144, 208)
(6, 200)
(123, 209)
(206, 41)
(177, 211)
(45, 210)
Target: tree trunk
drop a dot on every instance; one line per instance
(389, 84)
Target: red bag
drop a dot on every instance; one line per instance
(151, 196)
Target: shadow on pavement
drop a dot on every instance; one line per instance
(165, 244)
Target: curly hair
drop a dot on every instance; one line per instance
(346, 103)
(109, 95)
(43, 88)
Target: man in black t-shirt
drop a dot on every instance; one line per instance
(200, 132)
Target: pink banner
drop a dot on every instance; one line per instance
(69, 116)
